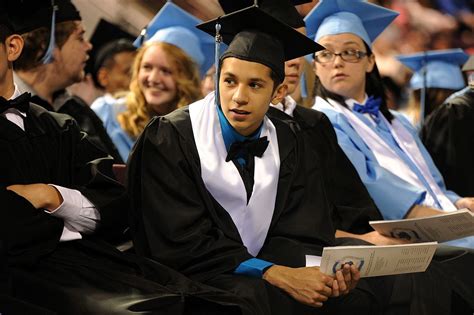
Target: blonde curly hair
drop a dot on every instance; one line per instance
(137, 115)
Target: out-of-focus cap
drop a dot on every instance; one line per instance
(29, 15)
(436, 68)
(175, 26)
(469, 65)
(358, 17)
(284, 10)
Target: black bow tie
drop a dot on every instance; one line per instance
(21, 103)
(247, 149)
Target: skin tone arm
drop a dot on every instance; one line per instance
(309, 285)
(417, 211)
(41, 196)
(373, 237)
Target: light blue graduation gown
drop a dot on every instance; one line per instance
(393, 196)
(107, 108)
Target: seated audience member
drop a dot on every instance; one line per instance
(448, 134)
(437, 75)
(47, 67)
(165, 76)
(59, 203)
(388, 155)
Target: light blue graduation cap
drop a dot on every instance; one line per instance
(436, 68)
(175, 26)
(359, 17)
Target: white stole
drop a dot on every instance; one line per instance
(389, 159)
(223, 181)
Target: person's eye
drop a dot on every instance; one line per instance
(325, 54)
(255, 85)
(166, 71)
(229, 81)
(349, 53)
(146, 67)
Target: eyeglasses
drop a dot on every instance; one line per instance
(350, 55)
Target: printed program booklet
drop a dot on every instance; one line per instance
(376, 260)
(441, 228)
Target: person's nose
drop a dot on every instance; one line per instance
(338, 61)
(294, 63)
(240, 95)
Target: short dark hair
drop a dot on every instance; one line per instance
(36, 44)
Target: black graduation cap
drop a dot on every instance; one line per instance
(4, 20)
(256, 36)
(28, 15)
(284, 10)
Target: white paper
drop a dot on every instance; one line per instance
(445, 227)
(379, 260)
(313, 261)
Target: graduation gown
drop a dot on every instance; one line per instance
(448, 134)
(177, 221)
(82, 276)
(87, 120)
(350, 202)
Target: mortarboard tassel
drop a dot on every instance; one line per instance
(423, 90)
(218, 39)
(48, 55)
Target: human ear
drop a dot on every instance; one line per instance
(279, 93)
(14, 45)
(103, 76)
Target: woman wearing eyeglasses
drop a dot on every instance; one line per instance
(389, 157)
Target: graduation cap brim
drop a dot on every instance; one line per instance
(235, 5)
(416, 61)
(294, 43)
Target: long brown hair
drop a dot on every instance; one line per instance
(137, 115)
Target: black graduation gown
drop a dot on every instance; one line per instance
(87, 120)
(176, 221)
(444, 284)
(88, 276)
(350, 201)
(448, 134)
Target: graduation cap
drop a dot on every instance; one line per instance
(284, 10)
(436, 68)
(469, 65)
(4, 19)
(256, 36)
(359, 17)
(175, 26)
(29, 15)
